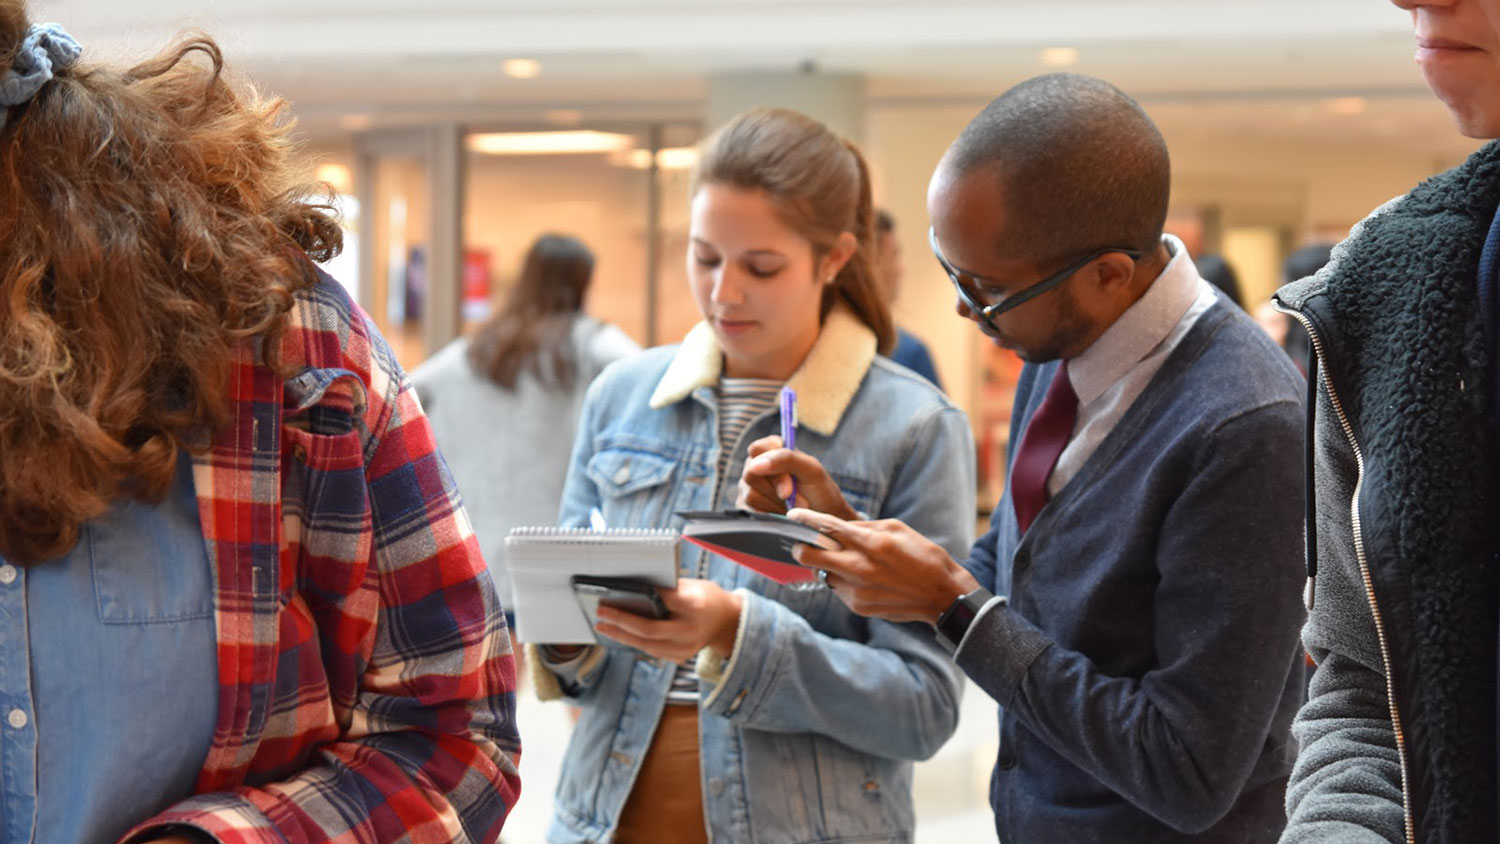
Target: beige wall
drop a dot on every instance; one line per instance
(903, 144)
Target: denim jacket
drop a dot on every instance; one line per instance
(809, 728)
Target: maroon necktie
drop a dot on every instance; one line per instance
(1046, 434)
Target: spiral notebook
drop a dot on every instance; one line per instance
(541, 562)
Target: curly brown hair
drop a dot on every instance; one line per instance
(151, 222)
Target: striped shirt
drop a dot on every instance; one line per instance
(741, 401)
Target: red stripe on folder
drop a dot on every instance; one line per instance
(777, 571)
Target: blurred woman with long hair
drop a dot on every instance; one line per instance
(238, 597)
(504, 403)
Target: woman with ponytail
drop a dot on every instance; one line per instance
(758, 711)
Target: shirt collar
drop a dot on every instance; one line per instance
(1139, 330)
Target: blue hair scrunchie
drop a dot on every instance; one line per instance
(46, 49)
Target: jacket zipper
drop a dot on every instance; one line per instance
(1364, 566)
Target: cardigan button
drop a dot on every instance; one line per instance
(16, 718)
(621, 475)
(7, 574)
(1007, 761)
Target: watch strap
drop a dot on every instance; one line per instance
(955, 621)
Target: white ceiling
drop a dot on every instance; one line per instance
(1253, 66)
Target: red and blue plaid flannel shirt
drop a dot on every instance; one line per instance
(366, 681)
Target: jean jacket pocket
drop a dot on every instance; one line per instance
(630, 486)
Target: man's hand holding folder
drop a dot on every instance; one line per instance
(885, 569)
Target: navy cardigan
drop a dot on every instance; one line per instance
(1147, 661)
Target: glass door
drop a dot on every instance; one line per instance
(397, 182)
(411, 195)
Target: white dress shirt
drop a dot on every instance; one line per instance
(1112, 373)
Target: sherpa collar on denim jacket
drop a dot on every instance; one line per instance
(826, 382)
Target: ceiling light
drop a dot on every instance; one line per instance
(522, 68)
(1059, 56)
(1346, 106)
(548, 143)
(676, 158)
(635, 159)
(336, 175)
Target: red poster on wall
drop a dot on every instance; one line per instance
(476, 298)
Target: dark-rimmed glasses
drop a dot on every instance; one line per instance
(987, 313)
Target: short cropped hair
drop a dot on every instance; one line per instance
(1080, 165)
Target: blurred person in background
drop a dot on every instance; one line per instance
(1220, 273)
(1134, 607)
(1399, 733)
(504, 403)
(910, 352)
(1283, 328)
(760, 711)
(238, 596)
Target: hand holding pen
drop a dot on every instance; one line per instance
(776, 476)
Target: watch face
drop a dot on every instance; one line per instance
(955, 621)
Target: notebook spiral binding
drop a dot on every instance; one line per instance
(586, 535)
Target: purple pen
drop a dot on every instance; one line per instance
(789, 432)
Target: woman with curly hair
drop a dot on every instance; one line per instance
(239, 597)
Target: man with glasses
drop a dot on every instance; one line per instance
(1134, 607)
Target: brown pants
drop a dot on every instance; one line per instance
(666, 804)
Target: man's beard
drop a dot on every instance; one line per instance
(1070, 331)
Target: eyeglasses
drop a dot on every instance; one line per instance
(962, 281)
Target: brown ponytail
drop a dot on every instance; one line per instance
(818, 184)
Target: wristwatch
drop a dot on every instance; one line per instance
(954, 622)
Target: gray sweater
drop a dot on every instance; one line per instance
(1147, 662)
(508, 450)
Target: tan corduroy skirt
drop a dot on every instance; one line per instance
(666, 804)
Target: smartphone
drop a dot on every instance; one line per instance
(620, 593)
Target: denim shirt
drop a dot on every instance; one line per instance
(118, 637)
(809, 730)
